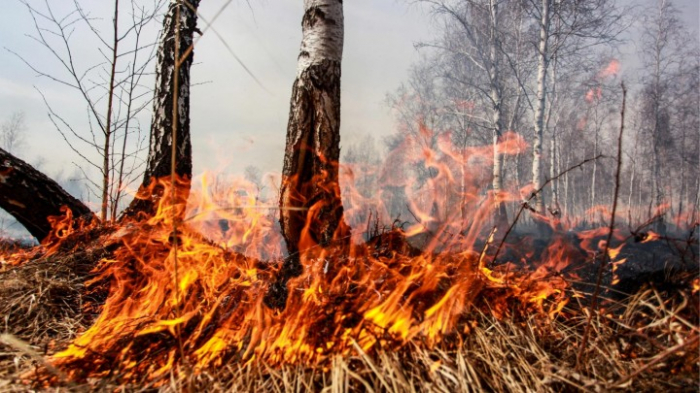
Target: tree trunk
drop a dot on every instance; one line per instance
(31, 197)
(311, 211)
(501, 217)
(681, 193)
(566, 184)
(595, 162)
(657, 185)
(161, 142)
(108, 130)
(554, 204)
(543, 61)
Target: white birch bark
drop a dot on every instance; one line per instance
(310, 192)
(322, 38)
(596, 135)
(542, 64)
(554, 205)
(657, 186)
(497, 123)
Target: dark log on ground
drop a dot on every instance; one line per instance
(31, 197)
(161, 142)
(310, 191)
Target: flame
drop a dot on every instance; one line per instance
(594, 94)
(651, 236)
(195, 287)
(611, 70)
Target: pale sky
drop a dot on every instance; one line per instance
(235, 122)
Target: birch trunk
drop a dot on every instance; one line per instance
(566, 184)
(657, 185)
(161, 141)
(633, 175)
(554, 205)
(596, 135)
(311, 211)
(542, 64)
(682, 192)
(497, 122)
(31, 197)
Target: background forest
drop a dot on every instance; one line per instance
(552, 75)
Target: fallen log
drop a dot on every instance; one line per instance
(31, 197)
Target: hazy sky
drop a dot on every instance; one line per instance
(235, 122)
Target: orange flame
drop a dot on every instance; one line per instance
(612, 69)
(198, 292)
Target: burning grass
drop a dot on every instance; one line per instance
(178, 304)
(388, 321)
(629, 350)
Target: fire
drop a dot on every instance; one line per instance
(191, 292)
(594, 94)
(611, 70)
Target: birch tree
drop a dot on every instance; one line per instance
(473, 35)
(542, 66)
(664, 54)
(311, 211)
(580, 26)
(12, 130)
(170, 146)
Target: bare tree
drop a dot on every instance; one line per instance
(19, 182)
(542, 66)
(559, 22)
(254, 175)
(112, 90)
(12, 130)
(475, 37)
(12, 139)
(667, 88)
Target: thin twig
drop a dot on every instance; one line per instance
(526, 204)
(606, 258)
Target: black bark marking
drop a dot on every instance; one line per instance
(159, 158)
(310, 190)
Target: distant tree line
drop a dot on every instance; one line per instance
(550, 71)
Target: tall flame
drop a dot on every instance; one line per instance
(205, 301)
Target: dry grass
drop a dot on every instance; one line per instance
(647, 342)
